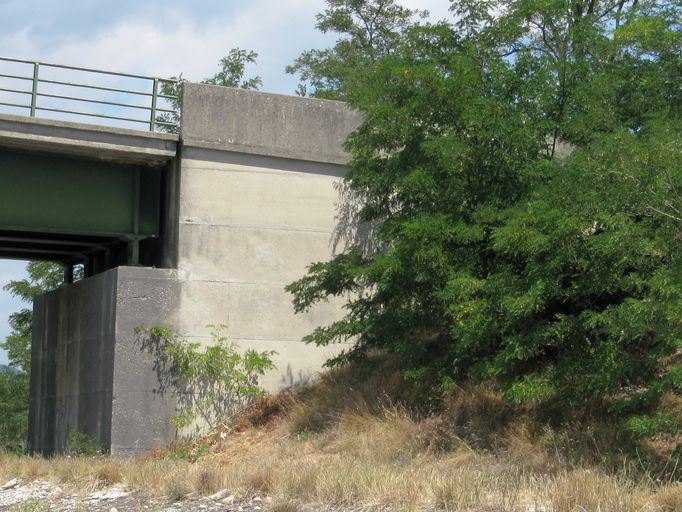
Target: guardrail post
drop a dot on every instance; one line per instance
(152, 120)
(34, 91)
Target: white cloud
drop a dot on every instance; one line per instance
(18, 44)
(277, 31)
(165, 42)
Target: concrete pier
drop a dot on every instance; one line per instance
(91, 372)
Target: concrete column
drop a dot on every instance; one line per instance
(91, 373)
(249, 202)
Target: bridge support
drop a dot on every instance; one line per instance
(91, 373)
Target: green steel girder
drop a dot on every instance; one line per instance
(72, 210)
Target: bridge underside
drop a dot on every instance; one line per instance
(99, 208)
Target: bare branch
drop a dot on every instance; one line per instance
(660, 212)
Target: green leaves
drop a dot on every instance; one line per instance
(13, 410)
(219, 379)
(232, 69)
(521, 171)
(14, 382)
(230, 74)
(369, 30)
(42, 277)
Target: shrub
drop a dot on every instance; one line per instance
(83, 445)
(220, 379)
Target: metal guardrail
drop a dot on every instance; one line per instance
(150, 106)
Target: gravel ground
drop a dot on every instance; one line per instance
(42, 496)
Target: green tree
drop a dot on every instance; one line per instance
(42, 277)
(231, 74)
(14, 382)
(368, 30)
(493, 256)
(13, 410)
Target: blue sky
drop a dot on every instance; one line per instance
(162, 38)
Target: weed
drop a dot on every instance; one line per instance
(83, 445)
(30, 506)
(176, 489)
(286, 506)
(388, 453)
(207, 480)
(222, 380)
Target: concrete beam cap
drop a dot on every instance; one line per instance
(259, 123)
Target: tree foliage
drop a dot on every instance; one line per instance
(521, 168)
(13, 410)
(42, 277)
(230, 74)
(369, 30)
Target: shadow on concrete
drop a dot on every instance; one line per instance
(350, 232)
(209, 398)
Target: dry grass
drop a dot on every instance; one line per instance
(387, 460)
(341, 443)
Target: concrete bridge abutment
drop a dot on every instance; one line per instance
(249, 201)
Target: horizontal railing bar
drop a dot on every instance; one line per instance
(15, 91)
(109, 89)
(14, 105)
(100, 102)
(78, 68)
(98, 87)
(21, 61)
(75, 112)
(86, 114)
(87, 86)
(16, 77)
(88, 70)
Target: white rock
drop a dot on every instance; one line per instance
(113, 509)
(113, 494)
(218, 496)
(257, 500)
(229, 500)
(11, 484)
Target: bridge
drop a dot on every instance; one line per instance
(204, 226)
